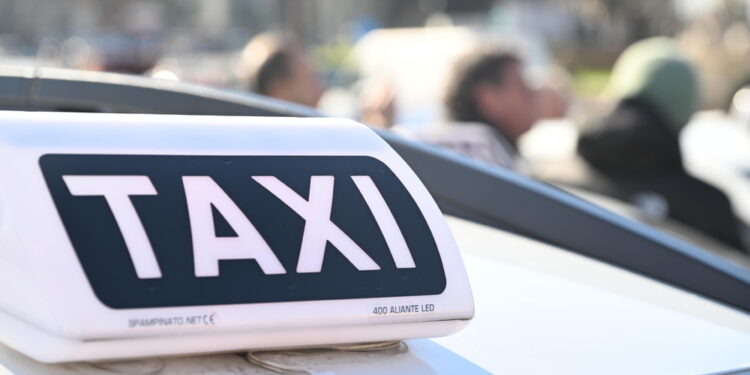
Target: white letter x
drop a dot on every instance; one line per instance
(318, 226)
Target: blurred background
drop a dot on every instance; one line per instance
(197, 40)
(631, 133)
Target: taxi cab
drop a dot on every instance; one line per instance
(160, 227)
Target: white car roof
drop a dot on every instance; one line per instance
(540, 309)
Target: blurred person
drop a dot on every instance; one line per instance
(275, 65)
(551, 103)
(377, 103)
(490, 106)
(129, 52)
(553, 92)
(633, 152)
(489, 88)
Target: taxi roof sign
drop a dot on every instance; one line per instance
(141, 235)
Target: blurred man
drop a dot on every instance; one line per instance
(276, 65)
(491, 106)
(488, 88)
(633, 152)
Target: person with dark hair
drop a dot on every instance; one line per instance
(490, 106)
(275, 65)
(488, 88)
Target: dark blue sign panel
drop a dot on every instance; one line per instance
(282, 228)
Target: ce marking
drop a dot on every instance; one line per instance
(208, 319)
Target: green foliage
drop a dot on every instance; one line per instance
(590, 83)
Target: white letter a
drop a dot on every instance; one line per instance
(201, 192)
